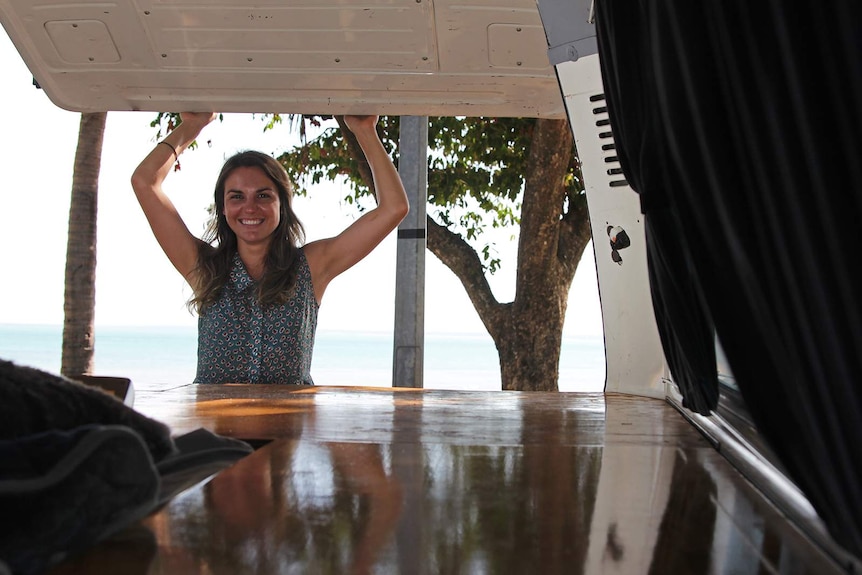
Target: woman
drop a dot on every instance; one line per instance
(256, 288)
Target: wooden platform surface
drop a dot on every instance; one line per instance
(380, 480)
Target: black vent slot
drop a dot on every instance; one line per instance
(615, 171)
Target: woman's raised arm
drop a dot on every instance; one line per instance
(171, 232)
(330, 257)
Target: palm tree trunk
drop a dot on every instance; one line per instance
(79, 302)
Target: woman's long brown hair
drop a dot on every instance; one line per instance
(215, 256)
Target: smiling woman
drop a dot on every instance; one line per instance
(252, 267)
(251, 206)
(254, 216)
(256, 288)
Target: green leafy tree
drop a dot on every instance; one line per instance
(484, 172)
(79, 300)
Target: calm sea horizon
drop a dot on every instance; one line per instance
(157, 356)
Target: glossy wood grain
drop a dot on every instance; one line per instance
(352, 480)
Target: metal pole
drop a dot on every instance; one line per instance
(408, 354)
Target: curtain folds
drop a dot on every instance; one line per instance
(683, 322)
(739, 123)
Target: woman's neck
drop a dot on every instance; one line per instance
(254, 259)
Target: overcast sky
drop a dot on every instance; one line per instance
(135, 284)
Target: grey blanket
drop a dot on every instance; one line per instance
(77, 465)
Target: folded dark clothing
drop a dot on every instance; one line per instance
(33, 401)
(199, 454)
(77, 465)
(61, 491)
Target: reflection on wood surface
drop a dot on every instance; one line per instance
(409, 481)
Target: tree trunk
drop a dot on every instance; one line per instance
(554, 231)
(79, 301)
(529, 344)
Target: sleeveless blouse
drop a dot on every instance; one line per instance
(241, 342)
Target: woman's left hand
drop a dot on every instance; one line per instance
(360, 123)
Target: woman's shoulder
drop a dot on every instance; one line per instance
(314, 251)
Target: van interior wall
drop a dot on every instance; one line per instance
(743, 142)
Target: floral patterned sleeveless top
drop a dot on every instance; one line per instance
(241, 342)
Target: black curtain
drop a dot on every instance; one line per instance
(683, 322)
(746, 118)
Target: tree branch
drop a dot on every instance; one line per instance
(458, 256)
(575, 234)
(544, 192)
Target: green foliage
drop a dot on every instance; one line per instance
(165, 122)
(323, 154)
(476, 168)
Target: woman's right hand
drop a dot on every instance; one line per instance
(197, 119)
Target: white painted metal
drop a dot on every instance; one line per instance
(635, 361)
(396, 57)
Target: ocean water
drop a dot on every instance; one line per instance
(153, 357)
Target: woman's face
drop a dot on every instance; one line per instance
(251, 205)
